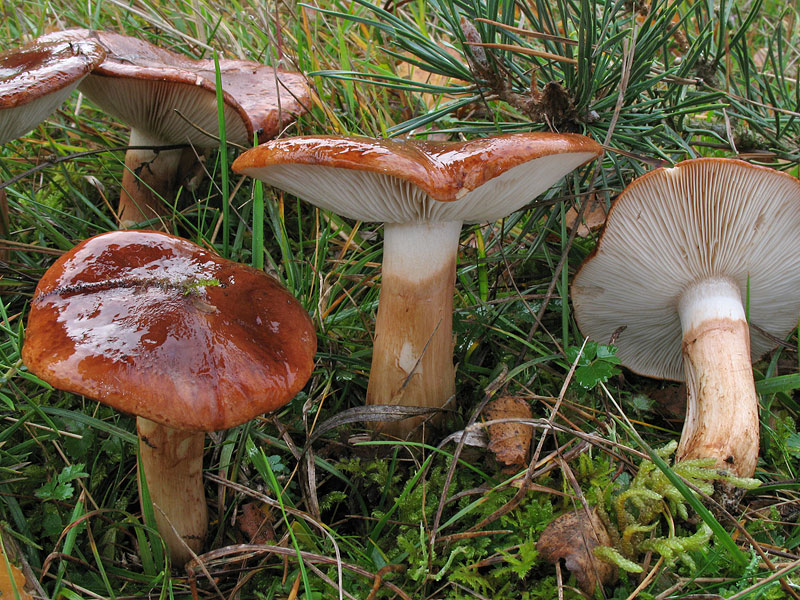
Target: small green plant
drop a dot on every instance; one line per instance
(650, 502)
(596, 364)
(60, 487)
(192, 287)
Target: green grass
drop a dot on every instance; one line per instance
(683, 80)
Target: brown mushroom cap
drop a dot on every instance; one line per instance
(146, 87)
(156, 326)
(353, 175)
(37, 78)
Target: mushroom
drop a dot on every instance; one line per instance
(36, 79)
(422, 192)
(189, 342)
(169, 99)
(684, 249)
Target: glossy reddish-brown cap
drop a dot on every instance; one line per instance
(159, 327)
(44, 68)
(443, 170)
(259, 99)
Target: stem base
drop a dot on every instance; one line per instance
(172, 461)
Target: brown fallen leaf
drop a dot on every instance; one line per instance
(254, 522)
(6, 589)
(593, 219)
(511, 442)
(572, 538)
(669, 400)
(21, 573)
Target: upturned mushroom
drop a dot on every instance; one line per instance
(189, 342)
(684, 251)
(37, 78)
(170, 99)
(422, 192)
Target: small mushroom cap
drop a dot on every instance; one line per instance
(156, 326)
(704, 218)
(149, 88)
(35, 79)
(406, 181)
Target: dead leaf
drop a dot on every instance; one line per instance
(28, 585)
(667, 398)
(255, 523)
(572, 538)
(593, 219)
(670, 401)
(511, 442)
(6, 589)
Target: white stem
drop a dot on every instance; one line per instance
(722, 405)
(148, 182)
(412, 360)
(172, 461)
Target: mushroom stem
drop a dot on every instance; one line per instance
(722, 405)
(172, 460)
(412, 359)
(148, 182)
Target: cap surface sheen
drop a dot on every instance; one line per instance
(704, 218)
(150, 88)
(412, 180)
(35, 79)
(156, 326)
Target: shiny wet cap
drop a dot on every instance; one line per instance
(172, 98)
(401, 181)
(156, 326)
(36, 79)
